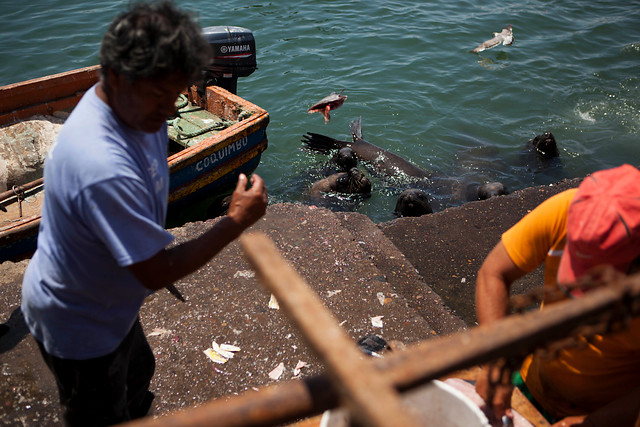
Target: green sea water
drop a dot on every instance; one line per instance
(573, 70)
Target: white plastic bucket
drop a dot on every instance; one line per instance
(434, 404)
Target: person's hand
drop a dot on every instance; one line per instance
(578, 420)
(248, 205)
(494, 386)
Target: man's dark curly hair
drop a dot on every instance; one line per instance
(154, 39)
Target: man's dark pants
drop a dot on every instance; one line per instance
(108, 389)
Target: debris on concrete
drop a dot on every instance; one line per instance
(273, 303)
(376, 321)
(298, 369)
(277, 372)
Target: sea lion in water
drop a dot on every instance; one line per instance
(345, 158)
(542, 157)
(382, 160)
(350, 182)
(491, 189)
(412, 202)
(544, 146)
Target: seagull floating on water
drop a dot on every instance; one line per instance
(505, 37)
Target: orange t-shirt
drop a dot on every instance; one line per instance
(579, 380)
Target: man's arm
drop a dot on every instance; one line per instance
(493, 285)
(624, 411)
(169, 265)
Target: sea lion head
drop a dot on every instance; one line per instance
(545, 146)
(491, 189)
(353, 181)
(412, 202)
(345, 158)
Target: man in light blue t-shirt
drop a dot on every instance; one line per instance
(101, 245)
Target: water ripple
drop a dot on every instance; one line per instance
(407, 69)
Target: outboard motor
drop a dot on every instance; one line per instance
(234, 55)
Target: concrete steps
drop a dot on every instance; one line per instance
(447, 248)
(356, 271)
(410, 271)
(401, 275)
(226, 304)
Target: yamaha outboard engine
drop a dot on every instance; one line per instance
(234, 55)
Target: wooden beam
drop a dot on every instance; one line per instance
(371, 398)
(420, 363)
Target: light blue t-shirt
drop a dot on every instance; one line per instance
(105, 204)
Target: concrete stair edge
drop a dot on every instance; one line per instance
(401, 274)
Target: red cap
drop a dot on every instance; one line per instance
(603, 224)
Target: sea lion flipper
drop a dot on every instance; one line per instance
(356, 128)
(321, 143)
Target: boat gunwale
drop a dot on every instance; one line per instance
(13, 232)
(258, 119)
(21, 100)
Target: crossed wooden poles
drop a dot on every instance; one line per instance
(369, 388)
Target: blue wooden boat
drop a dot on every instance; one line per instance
(204, 160)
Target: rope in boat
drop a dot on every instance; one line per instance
(182, 102)
(182, 134)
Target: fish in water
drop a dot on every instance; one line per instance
(505, 37)
(328, 103)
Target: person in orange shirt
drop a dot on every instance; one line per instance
(571, 232)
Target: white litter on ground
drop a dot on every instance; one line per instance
(277, 372)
